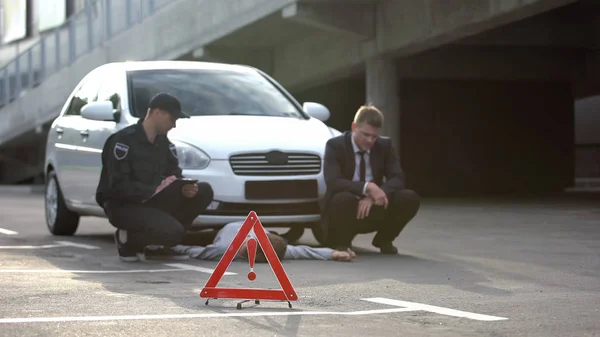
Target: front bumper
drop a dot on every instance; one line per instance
(230, 203)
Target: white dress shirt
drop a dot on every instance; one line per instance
(368, 171)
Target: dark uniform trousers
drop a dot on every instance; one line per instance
(159, 224)
(388, 223)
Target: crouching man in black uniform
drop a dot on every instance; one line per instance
(138, 162)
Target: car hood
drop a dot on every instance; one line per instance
(222, 136)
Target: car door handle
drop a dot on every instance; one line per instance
(59, 129)
(85, 133)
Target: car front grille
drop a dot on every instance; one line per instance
(259, 164)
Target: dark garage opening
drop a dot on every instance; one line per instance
(469, 138)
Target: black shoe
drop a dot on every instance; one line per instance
(386, 247)
(164, 253)
(126, 254)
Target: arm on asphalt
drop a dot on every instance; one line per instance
(303, 252)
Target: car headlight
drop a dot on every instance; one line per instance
(190, 157)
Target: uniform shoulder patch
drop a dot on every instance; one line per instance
(173, 150)
(120, 151)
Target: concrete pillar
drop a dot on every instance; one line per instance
(382, 92)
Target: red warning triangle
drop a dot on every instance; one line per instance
(286, 293)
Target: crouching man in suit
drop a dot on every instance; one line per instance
(358, 199)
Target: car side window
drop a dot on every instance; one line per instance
(110, 92)
(86, 93)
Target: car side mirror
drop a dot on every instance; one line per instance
(99, 111)
(316, 110)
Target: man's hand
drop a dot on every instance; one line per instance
(364, 206)
(189, 190)
(166, 182)
(377, 194)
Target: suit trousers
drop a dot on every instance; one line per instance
(159, 224)
(343, 225)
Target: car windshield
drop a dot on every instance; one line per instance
(210, 92)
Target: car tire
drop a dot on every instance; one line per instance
(59, 219)
(317, 232)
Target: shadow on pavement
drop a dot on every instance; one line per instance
(370, 266)
(447, 243)
(453, 244)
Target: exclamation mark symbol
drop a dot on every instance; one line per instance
(251, 244)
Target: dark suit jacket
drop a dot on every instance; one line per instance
(339, 166)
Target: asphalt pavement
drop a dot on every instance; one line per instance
(467, 267)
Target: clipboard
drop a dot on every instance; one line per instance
(168, 193)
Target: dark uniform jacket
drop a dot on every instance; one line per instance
(132, 167)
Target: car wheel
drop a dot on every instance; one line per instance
(317, 232)
(59, 219)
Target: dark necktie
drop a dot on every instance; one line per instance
(363, 166)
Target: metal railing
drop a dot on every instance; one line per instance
(97, 22)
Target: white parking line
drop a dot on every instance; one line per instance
(407, 307)
(206, 315)
(56, 271)
(434, 309)
(7, 232)
(58, 244)
(31, 247)
(176, 267)
(196, 268)
(79, 245)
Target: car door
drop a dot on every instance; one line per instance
(68, 138)
(93, 134)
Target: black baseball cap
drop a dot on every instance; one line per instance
(168, 103)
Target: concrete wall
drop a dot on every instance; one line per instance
(170, 33)
(309, 45)
(184, 26)
(402, 28)
(97, 16)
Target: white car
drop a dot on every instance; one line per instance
(248, 137)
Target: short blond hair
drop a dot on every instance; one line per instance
(369, 114)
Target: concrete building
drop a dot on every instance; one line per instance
(478, 95)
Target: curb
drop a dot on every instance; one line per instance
(22, 189)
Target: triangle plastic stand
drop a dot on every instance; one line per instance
(286, 293)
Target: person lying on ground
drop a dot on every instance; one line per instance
(284, 251)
